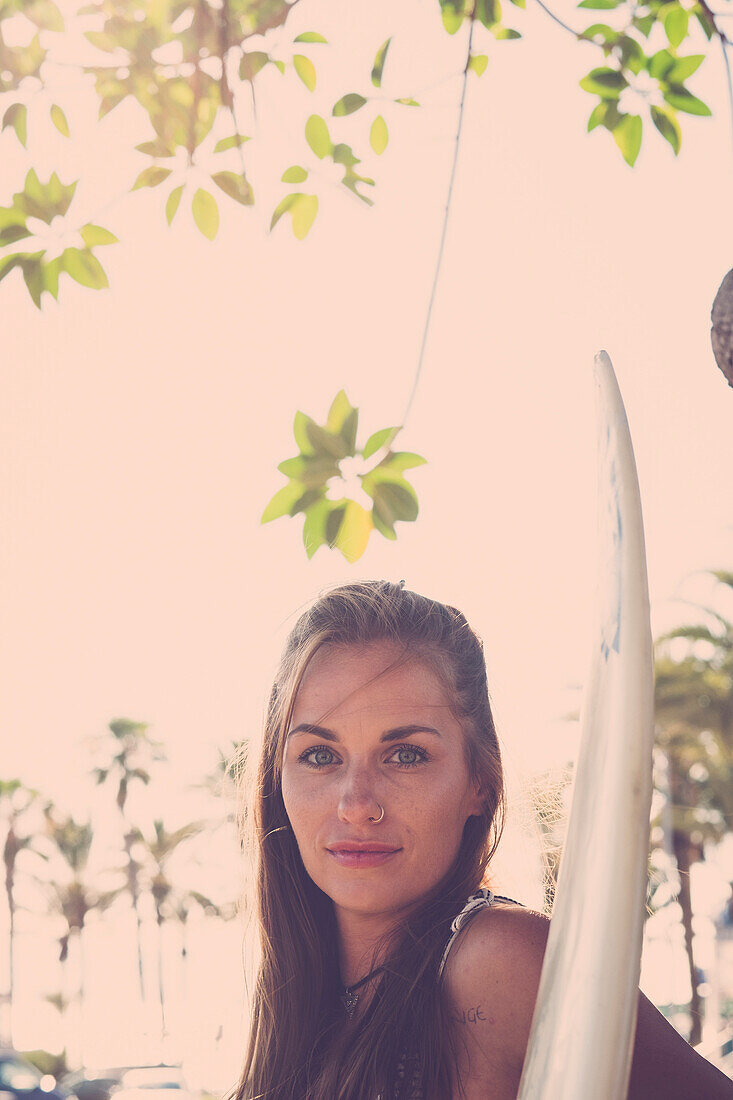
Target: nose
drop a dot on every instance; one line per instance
(359, 799)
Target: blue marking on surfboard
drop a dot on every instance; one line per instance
(611, 620)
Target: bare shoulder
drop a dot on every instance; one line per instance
(491, 981)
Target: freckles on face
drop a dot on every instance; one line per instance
(392, 743)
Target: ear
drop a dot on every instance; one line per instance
(476, 798)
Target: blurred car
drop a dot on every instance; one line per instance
(20, 1080)
(91, 1084)
(152, 1083)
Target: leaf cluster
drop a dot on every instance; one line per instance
(344, 523)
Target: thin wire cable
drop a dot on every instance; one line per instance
(446, 218)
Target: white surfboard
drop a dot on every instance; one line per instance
(581, 1042)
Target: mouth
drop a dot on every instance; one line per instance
(348, 857)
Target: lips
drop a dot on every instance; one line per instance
(363, 857)
(361, 846)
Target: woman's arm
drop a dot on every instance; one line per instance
(491, 978)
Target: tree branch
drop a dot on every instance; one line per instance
(445, 223)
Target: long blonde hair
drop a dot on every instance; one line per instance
(301, 1045)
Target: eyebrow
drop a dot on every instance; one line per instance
(389, 735)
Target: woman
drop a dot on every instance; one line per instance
(389, 969)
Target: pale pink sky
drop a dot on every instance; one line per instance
(143, 424)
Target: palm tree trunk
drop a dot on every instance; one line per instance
(161, 994)
(184, 960)
(6, 1023)
(135, 896)
(681, 845)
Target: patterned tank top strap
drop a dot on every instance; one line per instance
(482, 899)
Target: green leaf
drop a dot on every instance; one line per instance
(311, 36)
(348, 104)
(156, 148)
(171, 205)
(306, 70)
(93, 235)
(333, 522)
(7, 263)
(477, 63)
(627, 135)
(343, 421)
(294, 174)
(600, 5)
(598, 115)
(452, 19)
(354, 530)
(668, 127)
(205, 213)
(51, 272)
(377, 440)
(13, 232)
(502, 33)
(408, 102)
(660, 63)
(235, 185)
(33, 276)
(644, 23)
(59, 120)
(607, 83)
(339, 412)
(399, 461)
(606, 34)
(314, 526)
(84, 267)
(230, 143)
(378, 66)
(44, 200)
(631, 53)
(393, 500)
(302, 209)
(44, 14)
(252, 63)
(344, 154)
(303, 213)
(151, 177)
(379, 135)
(317, 136)
(676, 24)
(679, 97)
(17, 117)
(282, 207)
(705, 22)
(283, 502)
(325, 443)
(684, 67)
(488, 12)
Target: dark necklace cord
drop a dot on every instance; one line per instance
(363, 981)
(350, 997)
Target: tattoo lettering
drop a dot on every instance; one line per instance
(470, 1016)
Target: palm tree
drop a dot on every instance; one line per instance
(221, 781)
(16, 800)
(159, 850)
(131, 752)
(73, 897)
(181, 904)
(694, 716)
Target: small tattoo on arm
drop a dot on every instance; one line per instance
(470, 1016)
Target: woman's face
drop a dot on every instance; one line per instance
(392, 743)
